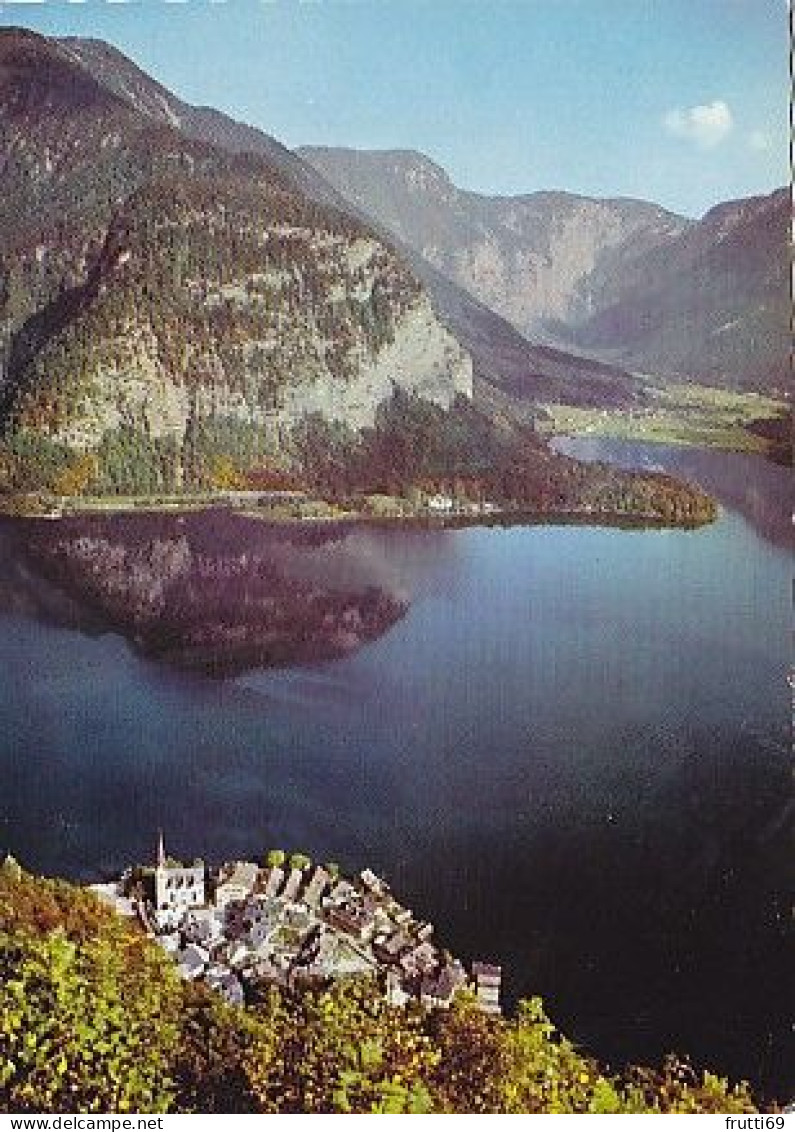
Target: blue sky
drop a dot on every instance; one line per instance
(679, 101)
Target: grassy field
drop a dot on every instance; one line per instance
(675, 414)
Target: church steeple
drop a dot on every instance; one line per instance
(161, 851)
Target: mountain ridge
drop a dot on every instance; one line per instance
(502, 358)
(181, 316)
(555, 264)
(230, 296)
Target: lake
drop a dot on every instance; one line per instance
(567, 746)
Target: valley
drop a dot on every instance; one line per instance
(436, 529)
(691, 414)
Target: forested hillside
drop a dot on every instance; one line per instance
(179, 313)
(156, 290)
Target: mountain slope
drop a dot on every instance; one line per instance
(157, 290)
(119, 75)
(712, 302)
(502, 357)
(528, 257)
(626, 280)
(179, 315)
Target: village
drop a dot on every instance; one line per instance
(288, 924)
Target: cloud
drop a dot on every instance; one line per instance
(706, 126)
(760, 141)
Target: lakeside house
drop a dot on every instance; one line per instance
(240, 925)
(440, 504)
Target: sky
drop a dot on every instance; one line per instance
(683, 102)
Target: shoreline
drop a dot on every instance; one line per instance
(517, 518)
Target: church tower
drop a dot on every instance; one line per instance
(177, 887)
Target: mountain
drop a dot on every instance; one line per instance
(527, 257)
(183, 307)
(624, 279)
(118, 74)
(502, 358)
(517, 372)
(713, 302)
(167, 303)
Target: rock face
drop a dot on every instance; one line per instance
(159, 291)
(624, 279)
(530, 257)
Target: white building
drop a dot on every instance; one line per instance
(112, 895)
(177, 888)
(293, 884)
(442, 504)
(237, 884)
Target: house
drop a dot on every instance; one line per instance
(225, 983)
(395, 994)
(437, 989)
(237, 884)
(342, 892)
(389, 948)
(374, 884)
(274, 881)
(203, 925)
(293, 884)
(112, 895)
(261, 916)
(192, 960)
(336, 957)
(487, 985)
(420, 960)
(441, 504)
(354, 919)
(317, 884)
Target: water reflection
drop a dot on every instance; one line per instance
(213, 592)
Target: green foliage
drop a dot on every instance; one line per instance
(88, 1008)
(132, 462)
(31, 461)
(275, 858)
(300, 861)
(216, 1040)
(94, 1018)
(341, 1050)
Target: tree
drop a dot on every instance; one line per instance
(84, 1026)
(343, 1049)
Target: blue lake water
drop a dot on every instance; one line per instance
(572, 755)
